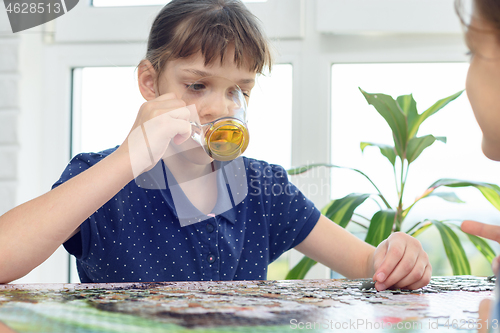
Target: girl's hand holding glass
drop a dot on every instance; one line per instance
(158, 122)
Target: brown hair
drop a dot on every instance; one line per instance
(185, 27)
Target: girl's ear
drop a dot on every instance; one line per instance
(146, 78)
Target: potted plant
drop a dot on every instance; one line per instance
(404, 121)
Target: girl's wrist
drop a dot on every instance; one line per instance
(122, 163)
(370, 269)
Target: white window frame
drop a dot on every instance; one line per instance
(387, 17)
(280, 18)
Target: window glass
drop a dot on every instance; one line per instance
(270, 117)
(106, 101)
(354, 121)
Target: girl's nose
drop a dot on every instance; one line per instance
(216, 106)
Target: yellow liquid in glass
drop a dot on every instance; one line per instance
(227, 139)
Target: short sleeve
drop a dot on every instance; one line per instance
(76, 245)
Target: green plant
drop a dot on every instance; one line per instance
(404, 121)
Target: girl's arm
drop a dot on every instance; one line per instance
(338, 249)
(31, 232)
(398, 261)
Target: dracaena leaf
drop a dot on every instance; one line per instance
(386, 150)
(490, 191)
(417, 145)
(409, 107)
(492, 194)
(421, 229)
(302, 169)
(305, 168)
(448, 196)
(454, 250)
(441, 138)
(340, 210)
(389, 109)
(415, 124)
(380, 227)
(483, 247)
(300, 270)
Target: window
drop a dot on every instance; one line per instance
(104, 109)
(353, 121)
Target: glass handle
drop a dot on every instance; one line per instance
(196, 130)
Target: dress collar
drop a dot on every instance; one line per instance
(232, 188)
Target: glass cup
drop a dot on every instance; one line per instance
(226, 137)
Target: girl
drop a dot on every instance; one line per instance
(123, 230)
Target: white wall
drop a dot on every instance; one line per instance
(21, 131)
(9, 110)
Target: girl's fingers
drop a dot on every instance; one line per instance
(416, 275)
(163, 128)
(394, 248)
(424, 280)
(155, 108)
(180, 113)
(149, 140)
(401, 266)
(159, 122)
(404, 262)
(182, 131)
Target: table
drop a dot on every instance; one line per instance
(447, 304)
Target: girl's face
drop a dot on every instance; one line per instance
(483, 84)
(179, 74)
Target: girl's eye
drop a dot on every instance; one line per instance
(469, 53)
(197, 87)
(236, 92)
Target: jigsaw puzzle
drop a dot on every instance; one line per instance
(446, 304)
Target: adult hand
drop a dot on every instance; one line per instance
(5, 329)
(484, 313)
(401, 262)
(487, 231)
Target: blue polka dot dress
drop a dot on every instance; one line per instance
(143, 234)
